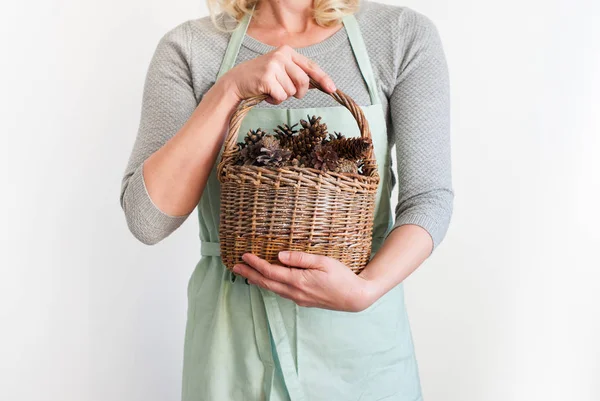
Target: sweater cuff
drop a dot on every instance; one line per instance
(151, 224)
(435, 228)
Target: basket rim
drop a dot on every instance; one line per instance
(349, 177)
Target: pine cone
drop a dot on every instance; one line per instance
(315, 126)
(351, 148)
(302, 144)
(333, 137)
(270, 142)
(310, 135)
(324, 158)
(249, 154)
(250, 149)
(252, 137)
(285, 134)
(346, 166)
(273, 157)
(299, 161)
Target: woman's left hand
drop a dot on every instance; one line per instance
(310, 281)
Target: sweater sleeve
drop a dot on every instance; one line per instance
(420, 113)
(168, 102)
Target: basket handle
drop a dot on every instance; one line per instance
(246, 104)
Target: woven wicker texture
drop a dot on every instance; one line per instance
(265, 210)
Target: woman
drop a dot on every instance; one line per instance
(315, 331)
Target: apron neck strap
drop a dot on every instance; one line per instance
(362, 56)
(233, 47)
(356, 42)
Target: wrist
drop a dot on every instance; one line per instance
(219, 101)
(365, 295)
(372, 289)
(226, 90)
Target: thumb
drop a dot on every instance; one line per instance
(301, 259)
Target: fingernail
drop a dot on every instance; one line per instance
(244, 257)
(331, 86)
(236, 268)
(284, 255)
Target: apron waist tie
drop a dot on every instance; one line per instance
(208, 248)
(276, 330)
(281, 345)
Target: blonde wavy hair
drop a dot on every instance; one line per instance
(325, 12)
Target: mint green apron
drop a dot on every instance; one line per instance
(246, 343)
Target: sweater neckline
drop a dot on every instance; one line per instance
(326, 45)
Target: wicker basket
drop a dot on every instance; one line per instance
(265, 210)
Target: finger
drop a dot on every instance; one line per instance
(301, 259)
(286, 83)
(268, 270)
(255, 277)
(299, 78)
(313, 70)
(275, 91)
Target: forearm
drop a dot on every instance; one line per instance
(403, 251)
(176, 174)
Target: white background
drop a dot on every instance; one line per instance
(507, 309)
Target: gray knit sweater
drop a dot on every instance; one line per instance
(411, 72)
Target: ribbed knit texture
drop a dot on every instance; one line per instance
(411, 72)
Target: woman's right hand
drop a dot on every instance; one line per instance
(281, 73)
